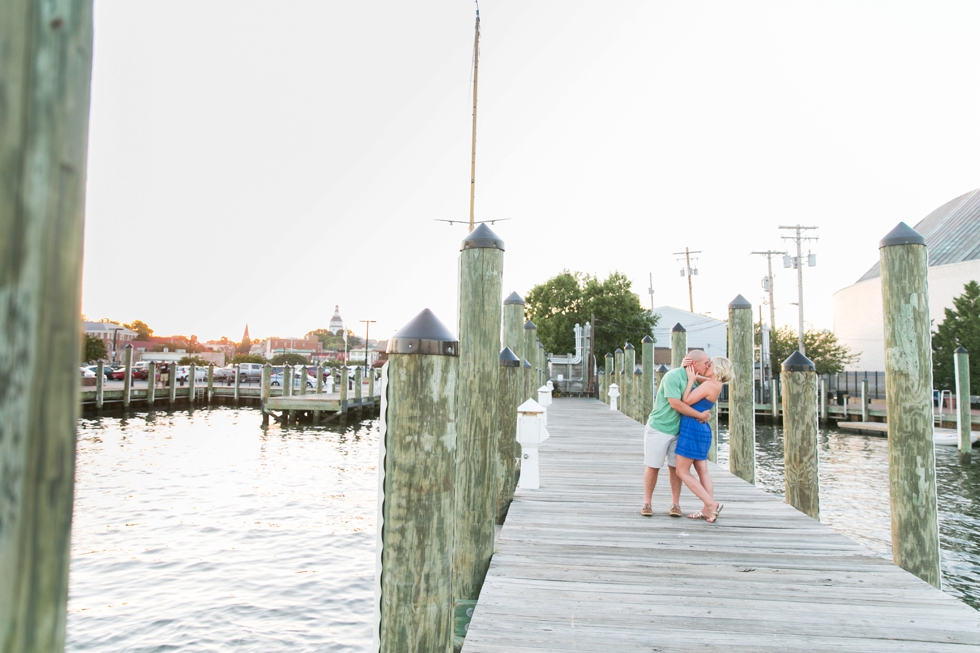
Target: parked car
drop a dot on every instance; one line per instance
(226, 373)
(141, 373)
(106, 370)
(117, 374)
(277, 380)
(87, 373)
(184, 373)
(250, 372)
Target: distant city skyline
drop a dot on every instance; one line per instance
(285, 159)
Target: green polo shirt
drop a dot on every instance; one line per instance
(664, 418)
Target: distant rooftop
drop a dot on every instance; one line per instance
(952, 233)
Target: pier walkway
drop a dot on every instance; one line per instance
(576, 568)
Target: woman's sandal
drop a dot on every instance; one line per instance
(696, 515)
(713, 518)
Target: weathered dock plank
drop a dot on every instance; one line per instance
(576, 568)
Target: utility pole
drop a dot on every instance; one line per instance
(769, 284)
(476, 74)
(367, 336)
(689, 272)
(797, 262)
(651, 292)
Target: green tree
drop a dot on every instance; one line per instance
(822, 347)
(567, 299)
(197, 360)
(329, 341)
(248, 358)
(289, 359)
(94, 349)
(960, 328)
(142, 330)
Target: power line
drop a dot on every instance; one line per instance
(797, 262)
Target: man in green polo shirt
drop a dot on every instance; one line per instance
(660, 434)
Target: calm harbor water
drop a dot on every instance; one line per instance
(205, 531)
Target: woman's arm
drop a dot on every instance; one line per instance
(709, 389)
(691, 377)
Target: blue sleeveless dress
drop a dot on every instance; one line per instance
(694, 438)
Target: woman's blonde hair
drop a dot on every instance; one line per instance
(724, 370)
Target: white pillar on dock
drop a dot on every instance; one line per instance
(531, 432)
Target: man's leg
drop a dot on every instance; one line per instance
(649, 483)
(675, 486)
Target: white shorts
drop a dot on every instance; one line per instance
(657, 447)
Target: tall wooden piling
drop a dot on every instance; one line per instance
(800, 432)
(508, 450)
(636, 390)
(713, 422)
(610, 362)
(99, 383)
(481, 263)
(238, 382)
(191, 382)
(512, 324)
(864, 400)
(358, 387)
(319, 379)
(618, 363)
(661, 370)
(646, 403)
(344, 388)
(629, 367)
(961, 366)
(530, 352)
(823, 400)
(370, 373)
(265, 391)
(303, 376)
(678, 345)
(908, 395)
(172, 380)
(151, 384)
(741, 391)
(417, 509)
(128, 379)
(542, 365)
(210, 382)
(45, 73)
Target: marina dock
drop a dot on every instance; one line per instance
(576, 568)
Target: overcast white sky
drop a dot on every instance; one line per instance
(260, 162)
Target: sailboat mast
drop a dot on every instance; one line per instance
(476, 74)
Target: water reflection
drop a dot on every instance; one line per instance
(203, 531)
(854, 497)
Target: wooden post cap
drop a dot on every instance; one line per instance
(128, 346)
(629, 346)
(961, 350)
(663, 368)
(508, 358)
(797, 362)
(902, 234)
(638, 370)
(513, 299)
(530, 325)
(678, 328)
(482, 238)
(740, 302)
(618, 350)
(647, 340)
(608, 355)
(527, 365)
(425, 334)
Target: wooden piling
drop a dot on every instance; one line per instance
(319, 378)
(741, 391)
(128, 379)
(823, 400)
(530, 351)
(191, 382)
(512, 322)
(210, 382)
(508, 450)
(151, 384)
(610, 361)
(908, 395)
(661, 370)
(542, 365)
(629, 367)
(99, 384)
(636, 390)
(287, 380)
(713, 449)
(961, 366)
(417, 509)
(358, 387)
(678, 345)
(481, 262)
(370, 372)
(618, 357)
(265, 391)
(303, 376)
(45, 73)
(649, 391)
(172, 380)
(864, 400)
(801, 462)
(238, 382)
(344, 388)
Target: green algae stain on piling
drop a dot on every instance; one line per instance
(417, 511)
(908, 395)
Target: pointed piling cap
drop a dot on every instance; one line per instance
(530, 407)
(647, 340)
(663, 368)
(509, 358)
(129, 345)
(482, 238)
(678, 328)
(797, 362)
(629, 346)
(638, 370)
(514, 298)
(902, 234)
(740, 302)
(530, 325)
(527, 365)
(425, 334)
(608, 355)
(961, 350)
(618, 350)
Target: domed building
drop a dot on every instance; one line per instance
(336, 322)
(952, 234)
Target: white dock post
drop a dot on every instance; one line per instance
(531, 432)
(614, 397)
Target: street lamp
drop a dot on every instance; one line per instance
(115, 336)
(367, 335)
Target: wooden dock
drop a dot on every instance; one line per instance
(576, 568)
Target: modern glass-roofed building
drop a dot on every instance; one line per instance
(952, 234)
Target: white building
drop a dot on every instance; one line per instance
(952, 234)
(703, 332)
(336, 326)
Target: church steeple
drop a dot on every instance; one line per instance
(336, 322)
(246, 343)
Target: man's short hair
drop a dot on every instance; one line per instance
(697, 355)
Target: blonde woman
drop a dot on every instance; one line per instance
(694, 439)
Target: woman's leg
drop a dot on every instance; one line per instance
(694, 485)
(701, 467)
